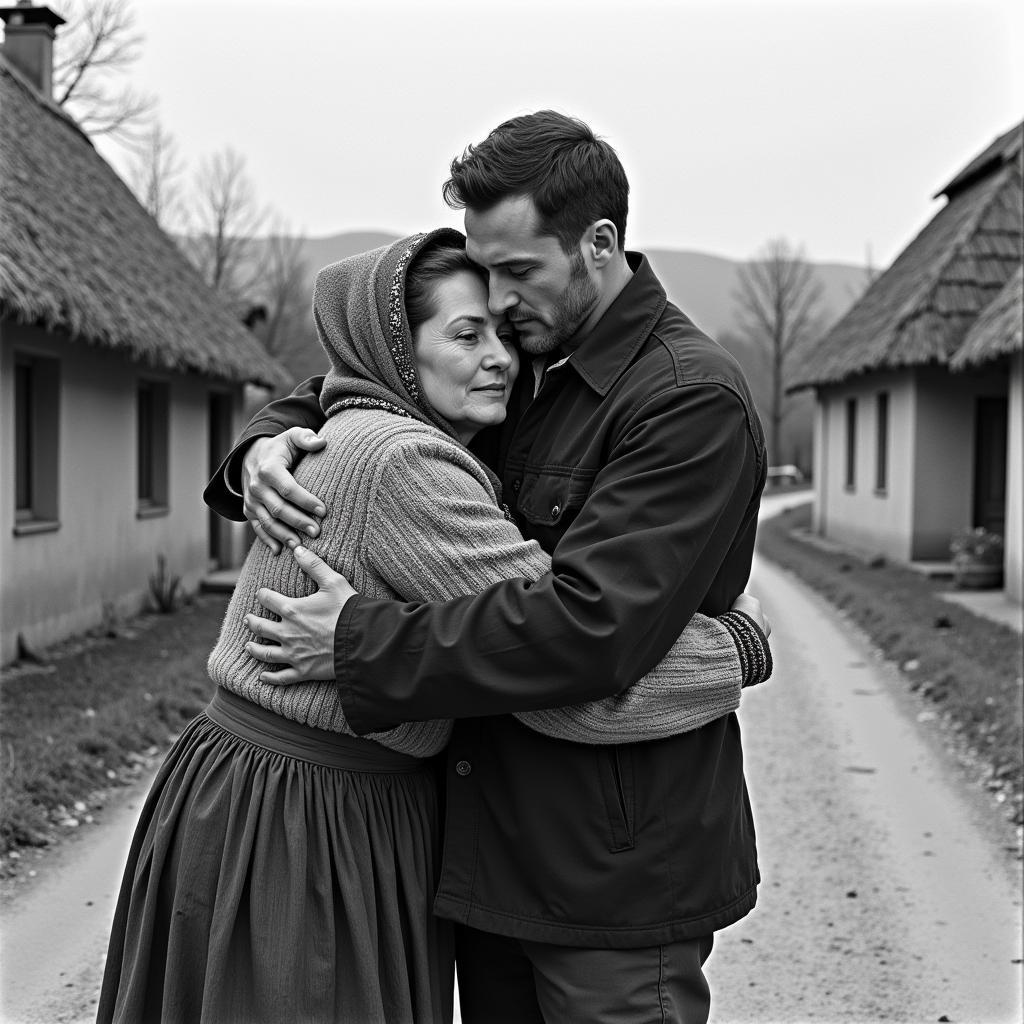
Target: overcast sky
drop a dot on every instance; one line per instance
(831, 122)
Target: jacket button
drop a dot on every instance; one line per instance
(555, 509)
(463, 768)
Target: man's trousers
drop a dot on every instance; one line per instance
(504, 980)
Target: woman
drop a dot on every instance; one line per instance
(283, 868)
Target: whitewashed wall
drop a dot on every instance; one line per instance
(931, 461)
(870, 520)
(1015, 483)
(57, 583)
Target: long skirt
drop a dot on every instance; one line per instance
(281, 873)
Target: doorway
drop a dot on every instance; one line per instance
(990, 425)
(219, 434)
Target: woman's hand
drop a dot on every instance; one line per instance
(274, 503)
(749, 605)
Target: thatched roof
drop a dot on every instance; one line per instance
(997, 332)
(920, 309)
(1004, 149)
(79, 254)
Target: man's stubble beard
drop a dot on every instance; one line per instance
(573, 306)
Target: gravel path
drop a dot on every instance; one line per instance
(891, 890)
(54, 934)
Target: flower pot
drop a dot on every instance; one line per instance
(974, 575)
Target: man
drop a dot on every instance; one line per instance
(586, 883)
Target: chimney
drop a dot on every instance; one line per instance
(28, 42)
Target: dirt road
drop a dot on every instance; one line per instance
(54, 936)
(888, 891)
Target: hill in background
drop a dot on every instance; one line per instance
(700, 284)
(702, 287)
(321, 251)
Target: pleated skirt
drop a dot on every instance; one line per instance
(281, 873)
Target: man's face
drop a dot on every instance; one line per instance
(545, 292)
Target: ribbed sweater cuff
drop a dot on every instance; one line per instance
(751, 644)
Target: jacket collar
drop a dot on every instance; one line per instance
(605, 353)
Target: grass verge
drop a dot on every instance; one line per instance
(968, 666)
(86, 718)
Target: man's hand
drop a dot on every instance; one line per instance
(304, 638)
(749, 605)
(274, 503)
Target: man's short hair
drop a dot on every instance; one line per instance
(573, 177)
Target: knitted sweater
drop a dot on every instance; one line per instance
(412, 515)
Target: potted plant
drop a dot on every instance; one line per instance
(977, 559)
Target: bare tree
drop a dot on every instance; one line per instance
(155, 177)
(223, 220)
(870, 272)
(778, 298)
(285, 287)
(97, 45)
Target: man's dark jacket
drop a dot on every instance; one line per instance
(639, 466)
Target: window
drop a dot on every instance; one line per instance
(882, 442)
(24, 437)
(851, 443)
(36, 434)
(153, 438)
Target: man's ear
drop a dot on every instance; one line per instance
(603, 239)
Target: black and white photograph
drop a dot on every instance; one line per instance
(511, 513)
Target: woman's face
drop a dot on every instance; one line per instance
(466, 356)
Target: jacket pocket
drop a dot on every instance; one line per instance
(553, 499)
(615, 765)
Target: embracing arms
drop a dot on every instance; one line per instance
(441, 537)
(272, 491)
(667, 528)
(571, 636)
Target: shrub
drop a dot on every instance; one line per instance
(164, 587)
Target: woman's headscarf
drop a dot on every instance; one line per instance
(359, 309)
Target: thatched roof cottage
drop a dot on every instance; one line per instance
(918, 387)
(121, 374)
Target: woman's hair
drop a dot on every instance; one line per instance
(431, 264)
(573, 177)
